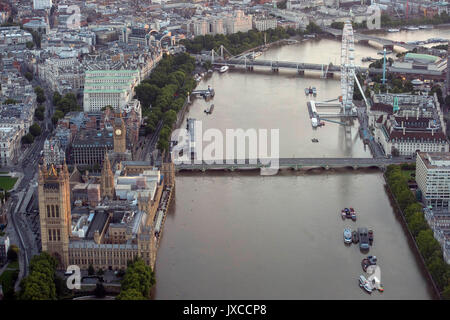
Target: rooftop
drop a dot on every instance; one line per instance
(435, 160)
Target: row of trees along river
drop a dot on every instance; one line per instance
(397, 178)
(163, 94)
(239, 42)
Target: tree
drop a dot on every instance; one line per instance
(35, 130)
(313, 28)
(405, 198)
(417, 223)
(427, 244)
(137, 282)
(99, 291)
(40, 95)
(9, 101)
(446, 293)
(395, 152)
(107, 107)
(13, 253)
(411, 209)
(130, 294)
(30, 45)
(170, 117)
(447, 100)
(56, 98)
(40, 283)
(163, 145)
(91, 270)
(438, 269)
(40, 113)
(28, 138)
(29, 76)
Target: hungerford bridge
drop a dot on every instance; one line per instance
(292, 163)
(347, 69)
(247, 62)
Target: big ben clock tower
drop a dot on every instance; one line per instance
(120, 133)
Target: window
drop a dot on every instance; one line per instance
(48, 211)
(57, 211)
(49, 235)
(53, 211)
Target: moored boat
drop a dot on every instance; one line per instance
(370, 233)
(224, 69)
(367, 59)
(210, 109)
(355, 238)
(347, 213)
(347, 236)
(353, 214)
(363, 239)
(363, 283)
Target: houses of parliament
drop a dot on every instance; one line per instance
(104, 220)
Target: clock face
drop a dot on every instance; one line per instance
(118, 132)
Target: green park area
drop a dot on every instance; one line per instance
(9, 276)
(7, 183)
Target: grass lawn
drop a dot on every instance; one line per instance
(13, 265)
(9, 277)
(7, 183)
(407, 174)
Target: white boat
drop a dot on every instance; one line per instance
(257, 54)
(417, 82)
(393, 30)
(363, 283)
(412, 28)
(224, 69)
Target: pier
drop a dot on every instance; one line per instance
(204, 93)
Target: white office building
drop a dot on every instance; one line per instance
(433, 178)
(42, 4)
(113, 88)
(263, 24)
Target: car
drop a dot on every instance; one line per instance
(347, 236)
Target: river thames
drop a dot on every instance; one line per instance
(245, 236)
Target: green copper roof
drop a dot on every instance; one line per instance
(111, 77)
(106, 84)
(111, 71)
(419, 56)
(104, 91)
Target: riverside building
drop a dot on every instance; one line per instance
(110, 230)
(113, 88)
(433, 178)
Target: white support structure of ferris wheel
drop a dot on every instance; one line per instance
(347, 68)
